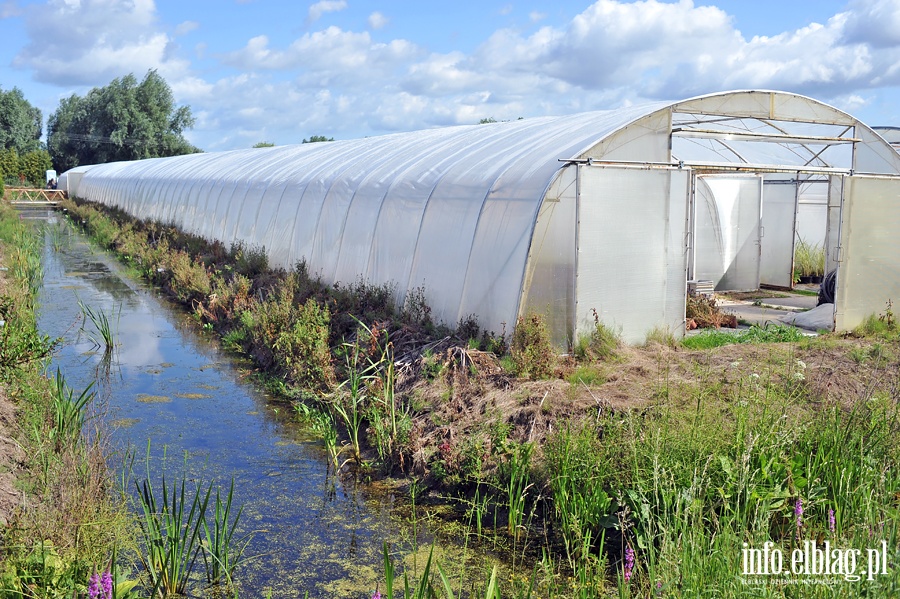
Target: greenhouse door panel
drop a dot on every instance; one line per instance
(868, 270)
(776, 260)
(833, 225)
(631, 256)
(727, 211)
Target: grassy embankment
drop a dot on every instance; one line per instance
(656, 471)
(64, 524)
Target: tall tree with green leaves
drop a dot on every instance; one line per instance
(34, 165)
(125, 120)
(9, 163)
(20, 123)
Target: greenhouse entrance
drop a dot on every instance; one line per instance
(756, 229)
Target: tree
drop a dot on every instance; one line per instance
(316, 139)
(125, 120)
(264, 144)
(34, 165)
(9, 163)
(20, 123)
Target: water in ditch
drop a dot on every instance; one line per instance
(170, 390)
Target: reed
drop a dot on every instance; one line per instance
(68, 411)
(349, 400)
(221, 552)
(171, 527)
(517, 487)
(809, 259)
(105, 335)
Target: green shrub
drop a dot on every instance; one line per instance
(531, 349)
(416, 310)
(34, 165)
(190, 280)
(302, 352)
(9, 164)
(250, 261)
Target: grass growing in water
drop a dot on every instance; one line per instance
(105, 336)
(171, 526)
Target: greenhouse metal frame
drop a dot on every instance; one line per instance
(593, 217)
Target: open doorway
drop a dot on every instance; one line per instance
(726, 232)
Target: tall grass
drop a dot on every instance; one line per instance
(769, 333)
(70, 524)
(105, 335)
(171, 525)
(809, 259)
(221, 551)
(68, 411)
(351, 397)
(517, 487)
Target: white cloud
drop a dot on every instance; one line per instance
(328, 57)
(377, 20)
(335, 82)
(186, 27)
(95, 41)
(612, 54)
(874, 22)
(325, 6)
(535, 16)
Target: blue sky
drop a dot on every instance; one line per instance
(280, 71)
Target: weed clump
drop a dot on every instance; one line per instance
(531, 349)
(602, 343)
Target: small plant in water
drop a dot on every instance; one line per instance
(171, 531)
(106, 333)
(220, 553)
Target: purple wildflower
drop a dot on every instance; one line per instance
(831, 521)
(106, 585)
(798, 511)
(94, 586)
(629, 563)
(376, 595)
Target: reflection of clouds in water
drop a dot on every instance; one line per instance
(139, 340)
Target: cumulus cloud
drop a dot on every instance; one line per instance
(94, 41)
(325, 6)
(377, 20)
(337, 82)
(328, 56)
(873, 22)
(614, 53)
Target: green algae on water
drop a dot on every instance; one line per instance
(145, 398)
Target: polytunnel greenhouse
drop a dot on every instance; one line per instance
(604, 215)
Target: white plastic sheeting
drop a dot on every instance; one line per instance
(727, 231)
(631, 258)
(868, 274)
(449, 210)
(487, 219)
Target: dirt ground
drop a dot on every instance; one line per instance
(11, 454)
(472, 393)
